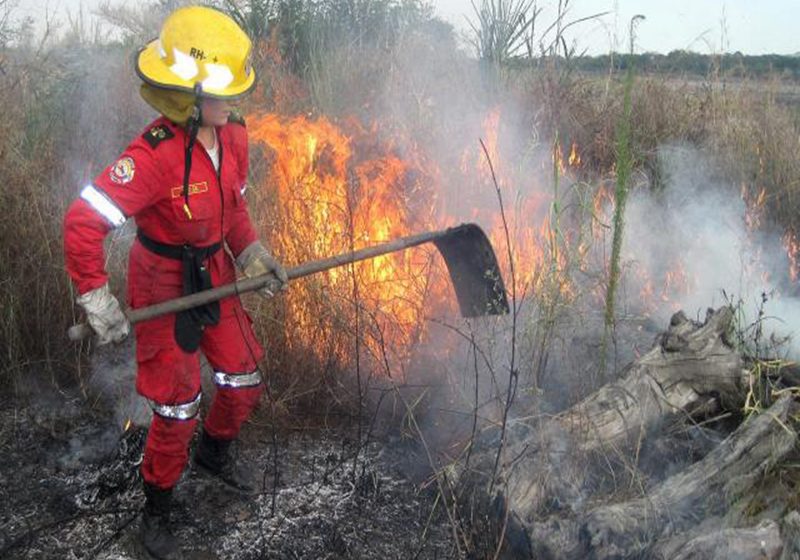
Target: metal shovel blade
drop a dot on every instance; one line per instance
(474, 272)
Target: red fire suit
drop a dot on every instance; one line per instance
(146, 183)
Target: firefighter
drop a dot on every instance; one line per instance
(183, 180)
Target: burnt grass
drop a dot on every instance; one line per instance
(70, 488)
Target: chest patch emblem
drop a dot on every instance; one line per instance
(194, 189)
(122, 171)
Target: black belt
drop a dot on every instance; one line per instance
(190, 323)
(176, 252)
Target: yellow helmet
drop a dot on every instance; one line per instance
(199, 46)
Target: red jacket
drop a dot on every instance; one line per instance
(146, 183)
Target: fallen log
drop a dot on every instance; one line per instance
(545, 482)
(691, 371)
(690, 364)
(707, 488)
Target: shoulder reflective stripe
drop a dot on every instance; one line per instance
(185, 411)
(98, 200)
(237, 380)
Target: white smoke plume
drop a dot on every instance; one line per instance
(696, 226)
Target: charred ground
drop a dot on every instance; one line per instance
(71, 489)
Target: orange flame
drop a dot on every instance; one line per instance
(336, 188)
(754, 207)
(330, 200)
(792, 246)
(574, 156)
(536, 246)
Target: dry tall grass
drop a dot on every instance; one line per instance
(749, 127)
(34, 297)
(69, 109)
(72, 105)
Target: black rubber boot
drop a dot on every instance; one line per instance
(214, 457)
(156, 531)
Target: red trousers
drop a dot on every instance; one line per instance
(170, 379)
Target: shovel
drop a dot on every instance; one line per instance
(466, 250)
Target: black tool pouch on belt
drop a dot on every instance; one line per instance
(189, 324)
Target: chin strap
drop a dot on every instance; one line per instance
(192, 128)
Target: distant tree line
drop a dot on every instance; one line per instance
(687, 62)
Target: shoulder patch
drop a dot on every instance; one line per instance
(122, 171)
(158, 134)
(236, 117)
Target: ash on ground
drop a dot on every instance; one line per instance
(70, 488)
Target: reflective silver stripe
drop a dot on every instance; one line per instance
(237, 380)
(184, 411)
(98, 200)
(243, 189)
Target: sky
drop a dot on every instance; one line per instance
(707, 26)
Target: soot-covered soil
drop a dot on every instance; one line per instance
(70, 489)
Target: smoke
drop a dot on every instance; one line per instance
(102, 114)
(443, 101)
(113, 382)
(442, 104)
(691, 242)
(695, 239)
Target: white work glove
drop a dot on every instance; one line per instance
(255, 260)
(104, 315)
